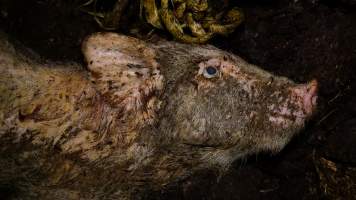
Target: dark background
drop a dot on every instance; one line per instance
(300, 39)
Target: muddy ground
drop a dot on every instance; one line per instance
(300, 39)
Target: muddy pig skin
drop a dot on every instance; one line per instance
(138, 117)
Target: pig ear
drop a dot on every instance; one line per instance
(123, 69)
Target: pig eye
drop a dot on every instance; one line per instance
(210, 72)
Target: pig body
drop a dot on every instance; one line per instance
(140, 117)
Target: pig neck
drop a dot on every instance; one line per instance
(58, 103)
(172, 160)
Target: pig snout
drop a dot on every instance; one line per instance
(306, 96)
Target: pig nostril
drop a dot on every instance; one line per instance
(314, 100)
(313, 86)
(310, 99)
(312, 91)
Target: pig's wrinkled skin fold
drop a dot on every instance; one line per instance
(138, 117)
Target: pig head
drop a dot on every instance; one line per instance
(203, 98)
(142, 116)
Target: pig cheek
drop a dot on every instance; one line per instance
(198, 114)
(204, 84)
(194, 132)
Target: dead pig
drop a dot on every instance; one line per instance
(142, 116)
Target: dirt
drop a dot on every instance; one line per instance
(300, 39)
